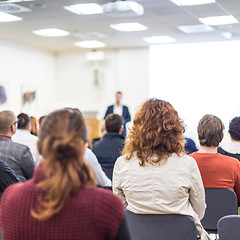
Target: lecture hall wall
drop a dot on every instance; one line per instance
(67, 79)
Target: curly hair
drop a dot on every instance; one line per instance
(210, 131)
(157, 132)
(234, 129)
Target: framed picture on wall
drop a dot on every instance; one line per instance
(29, 99)
(4, 89)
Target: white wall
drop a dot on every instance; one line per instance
(67, 79)
(125, 70)
(22, 65)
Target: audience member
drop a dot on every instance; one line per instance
(217, 171)
(102, 179)
(40, 120)
(7, 177)
(121, 110)
(108, 149)
(190, 146)
(34, 126)
(62, 201)
(232, 149)
(24, 136)
(17, 156)
(154, 175)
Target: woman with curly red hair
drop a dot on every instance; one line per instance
(155, 175)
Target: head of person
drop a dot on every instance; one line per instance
(118, 97)
(113, 123)
(8, 123)
(62, 143)
(34, 126)
(210, 131)
(24, 121)
(234, 129)
(157, 133)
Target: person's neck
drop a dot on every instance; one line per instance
(233, 140)
(118, 104)
(204, 149)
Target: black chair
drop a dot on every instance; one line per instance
(229, 227)
(161, 226)
(220, 202)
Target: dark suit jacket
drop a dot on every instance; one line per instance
(125, 114)
(17, 156)
(109, 148)
(7, 177)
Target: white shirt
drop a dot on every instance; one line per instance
(118, 109)
(102, 178)
(23, 136)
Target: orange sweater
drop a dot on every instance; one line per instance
(219, 171)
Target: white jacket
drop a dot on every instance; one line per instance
(173, 187)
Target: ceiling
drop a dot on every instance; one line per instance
(160, 16)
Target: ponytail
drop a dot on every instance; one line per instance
(65, 171)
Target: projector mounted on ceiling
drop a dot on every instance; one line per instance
(123, 9)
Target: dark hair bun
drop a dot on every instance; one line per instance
(65, 150)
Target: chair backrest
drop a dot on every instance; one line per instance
(220, 202)
(161, 226)
(229, 227)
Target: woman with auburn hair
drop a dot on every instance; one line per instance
(61, 201)
(155, 175)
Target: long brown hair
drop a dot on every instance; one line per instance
(157, 131)
(62, 141)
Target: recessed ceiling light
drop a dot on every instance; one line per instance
(195, 28)
(192, 2)
(90, 44)
(51, 32)
(227, 35)
(159, 39)
(128, 27)
(85, 9)
(218, 20)
(5, 17)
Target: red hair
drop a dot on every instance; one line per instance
(157, 131)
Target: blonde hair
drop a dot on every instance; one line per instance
(7, 118)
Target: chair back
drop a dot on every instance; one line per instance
(161, 226)
(220, 202)
(229, 227)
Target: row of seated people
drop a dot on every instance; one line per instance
(154, 175)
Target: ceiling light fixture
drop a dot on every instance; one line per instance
(51, 32)
(159, 39)
(85, 8)
(123, 9)
(128, 27)
(195, 28)
(192, 2)
(5, 17)
(90, 44)
(218, 20)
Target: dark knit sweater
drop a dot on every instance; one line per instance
(88, 215)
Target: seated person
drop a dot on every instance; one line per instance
(154, 175)
(232, 149)
(61, 201)
(109, 148)
(23, 135)
(190, 146)
(7, 177)
(217, 171)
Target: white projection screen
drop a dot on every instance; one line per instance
(198, 79)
